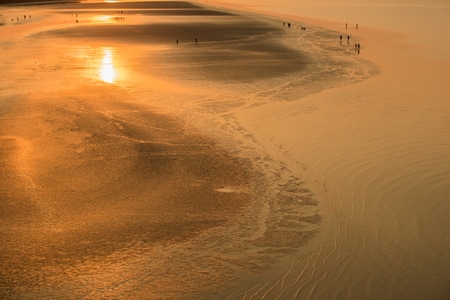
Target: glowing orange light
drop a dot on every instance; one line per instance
(107, 71)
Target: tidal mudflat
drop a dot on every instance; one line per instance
(109, 187)
(176, 150)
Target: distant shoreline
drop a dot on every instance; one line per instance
(35, 2)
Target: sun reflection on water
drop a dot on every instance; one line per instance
(107, 71)
(102, 19)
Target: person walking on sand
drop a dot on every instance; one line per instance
(348, 40)
(196, 40)
(340, 38)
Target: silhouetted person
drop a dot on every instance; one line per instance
(196, 40)
(340, 38)
(177, 41)
(348, 40)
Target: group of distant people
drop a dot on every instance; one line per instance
(24, 17)
(357, 45)
(289, 26)
(119, 12)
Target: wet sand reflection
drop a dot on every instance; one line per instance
(125, 200)
(108, 72)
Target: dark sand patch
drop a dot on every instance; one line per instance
(228, 46)
(154, 12)
(245, 49)
(85, 177)
(133, 5)
(206, 30)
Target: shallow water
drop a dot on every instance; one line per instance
(353, 201)
(378, 153)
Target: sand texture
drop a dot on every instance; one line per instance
(108, 187)
(84, 178)
(183, 150)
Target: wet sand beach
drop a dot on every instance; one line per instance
(107, 188)
(182, 150)
(81, 183)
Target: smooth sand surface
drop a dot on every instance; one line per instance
(377, 153)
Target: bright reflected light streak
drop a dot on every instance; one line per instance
(107, 71)
(102, 19)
